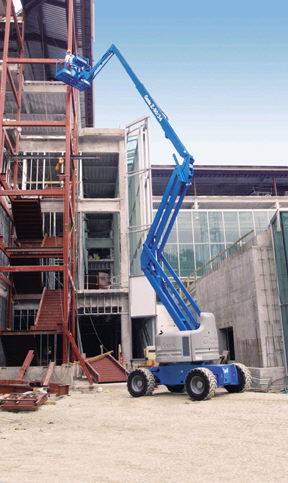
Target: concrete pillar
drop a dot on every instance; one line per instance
(126, 336)
(124, 253)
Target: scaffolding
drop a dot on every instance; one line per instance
(28, 251)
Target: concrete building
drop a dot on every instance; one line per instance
(94, 193)
(242, 292)
(229, 246)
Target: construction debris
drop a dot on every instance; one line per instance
(27, 401)
(28, 395)
(105, 368)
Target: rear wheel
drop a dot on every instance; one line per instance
(200, 384)
(244, 378)
(176, 388)
(140, 383)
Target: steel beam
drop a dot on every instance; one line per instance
(30, 123)
(16, 25)
(13, 86)
(16, 60)
(5, 280)
(47, 193)
(27, 361)
(8, 142)
(31, 268)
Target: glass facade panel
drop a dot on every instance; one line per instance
(217, 248)
(186, 258)
(232, 232)
(216, 230)
(246, 223)
(280, 246)
(200, 224)
(260, 221)
(202, 255)
(199, 236)
(173, 234)
(171, 255)
(185, 227)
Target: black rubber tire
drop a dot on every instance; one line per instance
(176, 388)
(140, 382)
(245, 379)
(200, 384)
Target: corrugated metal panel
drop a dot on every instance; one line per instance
(46, 36)
(100, 175)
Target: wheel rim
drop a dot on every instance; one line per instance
(197, 385)
(137, 383)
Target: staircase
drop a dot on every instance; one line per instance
(50, 312)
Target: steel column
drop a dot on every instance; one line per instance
(4, 78)
(66, 215)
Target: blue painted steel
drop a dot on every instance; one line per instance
(70, 77)
(171, 291)
(73, 74)
(173, 374)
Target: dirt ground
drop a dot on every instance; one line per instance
(108, 436)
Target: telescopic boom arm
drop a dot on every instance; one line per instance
(173, 293)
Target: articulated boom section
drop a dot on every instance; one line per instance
(157, 269)
(169, 288)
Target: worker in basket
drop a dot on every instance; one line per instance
(69, 59)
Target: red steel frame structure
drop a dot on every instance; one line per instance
(67, 192)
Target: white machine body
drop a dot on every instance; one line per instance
(191, 345)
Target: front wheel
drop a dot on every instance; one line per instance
(244, 379)
(140, 382)
(200, 384)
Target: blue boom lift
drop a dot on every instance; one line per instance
(186, 358)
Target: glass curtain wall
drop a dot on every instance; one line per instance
(199, 236)
(280, 237)
(139, 190)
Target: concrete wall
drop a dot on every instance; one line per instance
(242, 293)
(61, 374)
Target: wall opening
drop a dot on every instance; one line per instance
(226, 341)
(142, 335)
(47, 347)
(101, 250)
(101, 333)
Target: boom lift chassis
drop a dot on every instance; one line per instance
(185, 357)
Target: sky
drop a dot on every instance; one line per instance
(218, 69)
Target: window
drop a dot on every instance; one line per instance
(246, 223)
(216, 229)
(202, 254)
(232, 232)
(186, 258)
(200, 224)
(171, 255)
(184, 220)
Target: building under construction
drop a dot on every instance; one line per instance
(76, 203)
